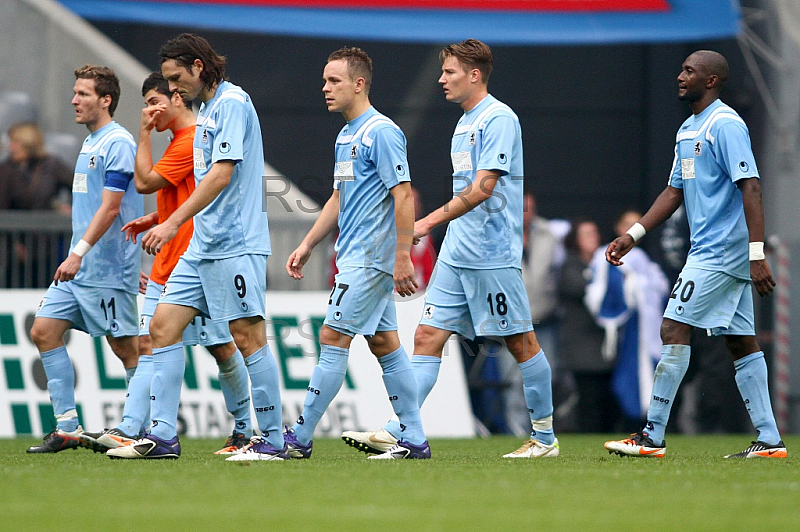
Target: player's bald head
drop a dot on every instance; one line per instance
(713, 64)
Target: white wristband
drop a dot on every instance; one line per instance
(637, 231)
(757, 251)
(82, 248)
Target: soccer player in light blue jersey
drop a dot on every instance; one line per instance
(172, 178)
(94, 289)
(222, 274)
(714, 173)
(477, 286)
(373, 207)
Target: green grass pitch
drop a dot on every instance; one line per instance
(466, 486)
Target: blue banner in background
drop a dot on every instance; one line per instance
(682, 21)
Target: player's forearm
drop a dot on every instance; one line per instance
(325, 223)
(144, 162)
(207, 190)
(753, 209)
(663, 207)
(467, 200)
(103, 218)
(404, 217)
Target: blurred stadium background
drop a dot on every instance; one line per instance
(593, 82)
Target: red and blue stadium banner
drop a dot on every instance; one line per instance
(520, 22)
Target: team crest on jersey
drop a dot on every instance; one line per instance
(698, 148)
(93, 161)
(354, 151)
(472, 138)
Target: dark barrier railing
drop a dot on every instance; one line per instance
(32, 245)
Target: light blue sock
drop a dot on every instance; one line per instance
(537, 386)
(129, 372)
(61, 385)
(266, 395)
(325, 383)
(169, 364)
(751, 378)
(426, 371)
(398, 377)
(669, 374)
(235, 386)
(137, 402)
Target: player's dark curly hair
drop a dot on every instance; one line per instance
(187, 47)
(471, 53)
(106, 83)
(359, 64)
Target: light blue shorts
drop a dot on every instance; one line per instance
(200, 331)
(477, 302)
(362, 302)
(93, 310)
(715, 301)
(222, 289)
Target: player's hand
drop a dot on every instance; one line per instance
(158, 236)
(149, 115)
(68, 269)
(618, 249)
(143, 280)
(762, 277)
(298, 259)
(139, 225)
(404, 276)
(420, 229)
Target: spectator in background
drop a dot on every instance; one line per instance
(43, 181)
(628, 302)
(580, 338)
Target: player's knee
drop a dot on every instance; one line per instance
(145, 345)
(328, 336)
(43, 337)
(675, 333)
(159, 332)
(429, 341)
(741, 346)
(222, 352)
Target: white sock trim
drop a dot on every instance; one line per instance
(546, 423)
(66, 416)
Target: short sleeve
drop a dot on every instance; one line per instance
(231, 124)
(388, 154)
(733, 151)
(676, 175)
(497, 143)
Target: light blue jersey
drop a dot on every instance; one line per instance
(235, 222)
(370, 160)
(106, 162)
(488, 137)
(712, 152)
